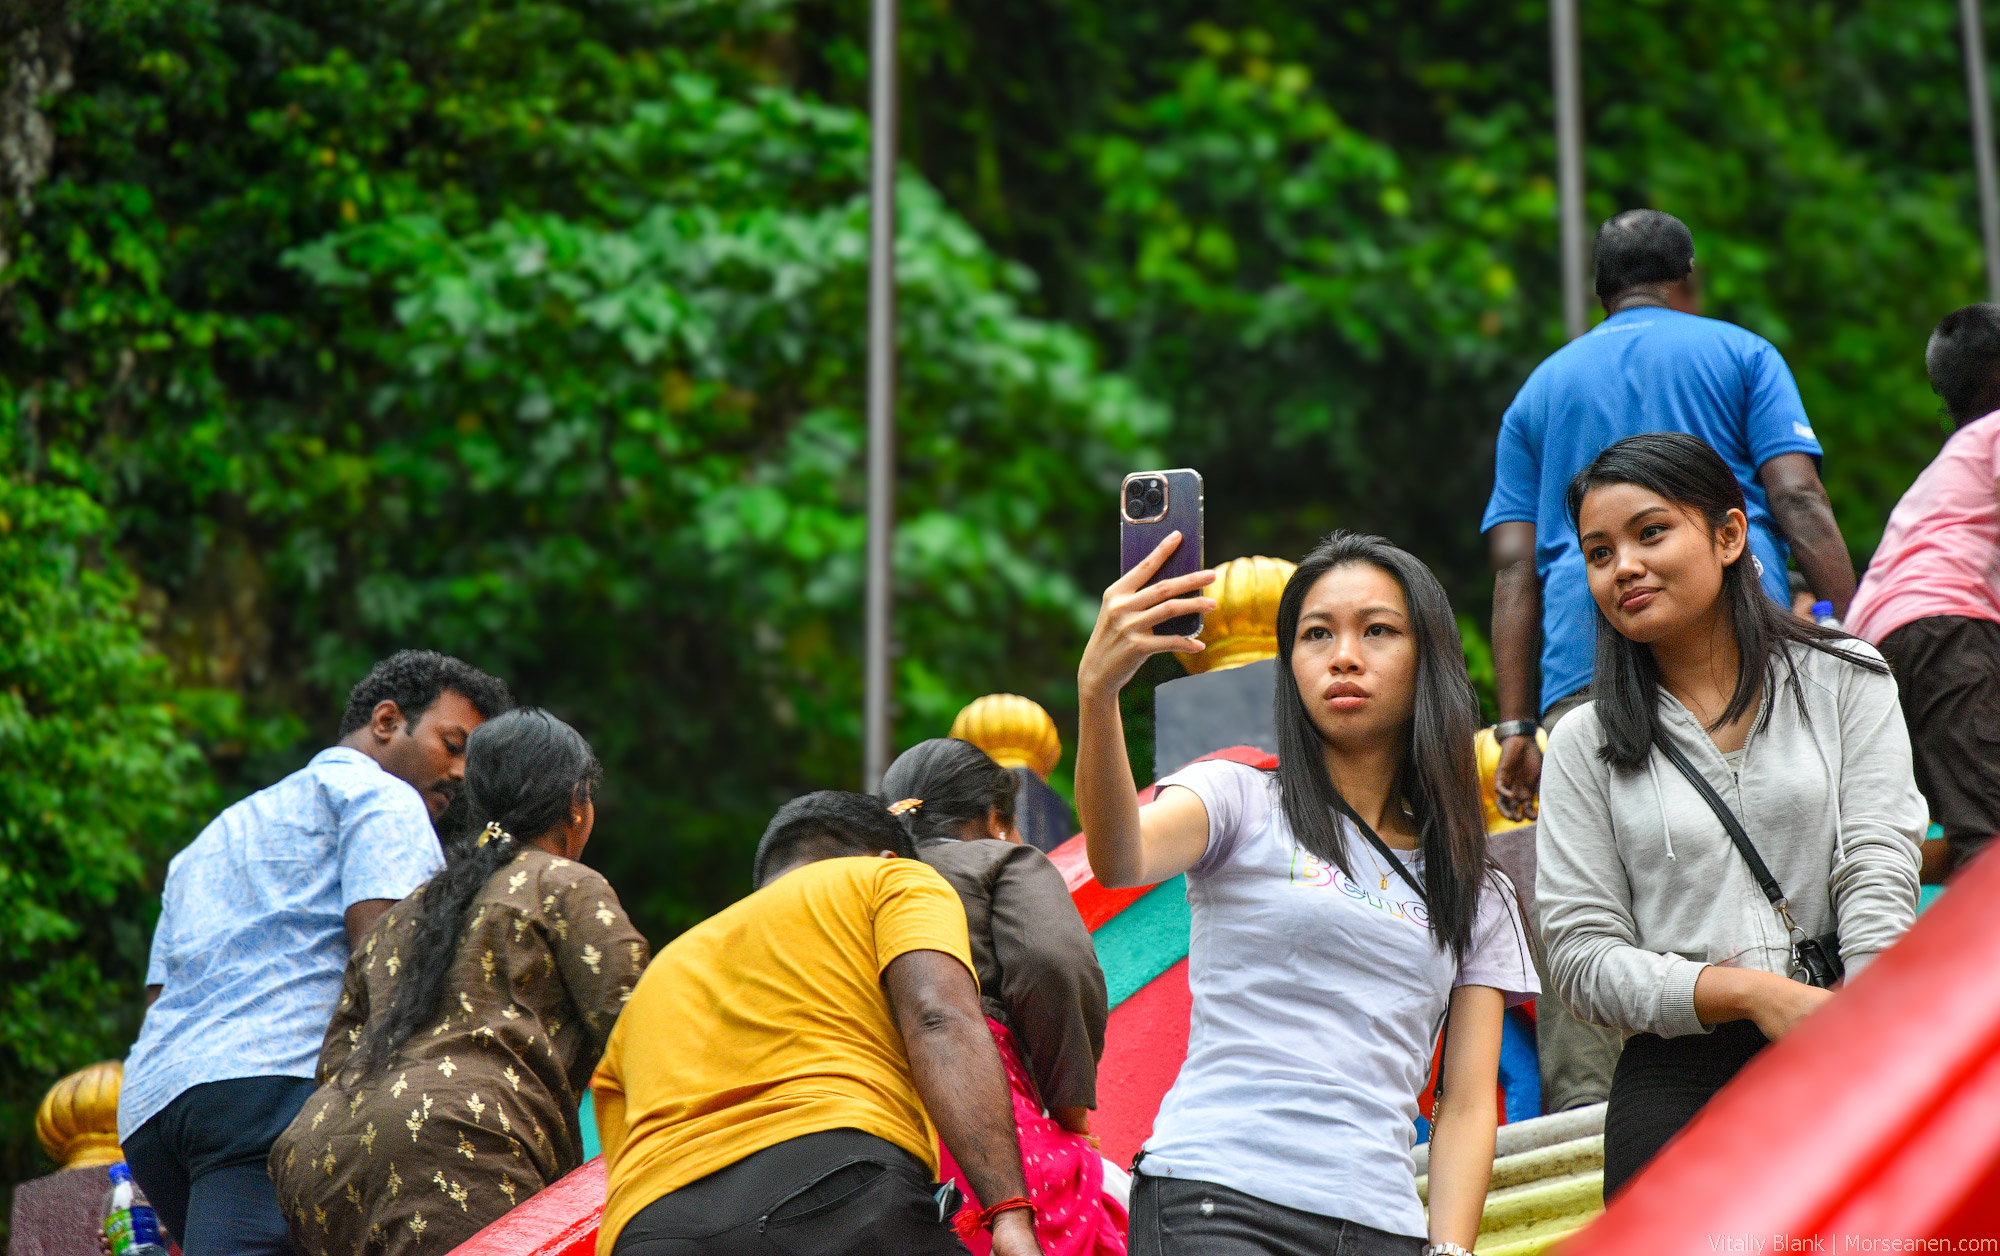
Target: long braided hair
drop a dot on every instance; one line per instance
(524, 772)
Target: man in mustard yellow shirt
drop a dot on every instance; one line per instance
(770, 1088)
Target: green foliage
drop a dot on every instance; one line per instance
(1324, 235)
(99, 782)
(664, 413)
(1326, 305)
(534, 333)
(532, 330)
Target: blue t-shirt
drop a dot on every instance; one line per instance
(1647, 369)
(252, 939)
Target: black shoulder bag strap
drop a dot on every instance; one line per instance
(1382, 848)
(1812, 965)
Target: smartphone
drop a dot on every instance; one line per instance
(1152, 504)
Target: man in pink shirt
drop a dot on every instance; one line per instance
(1930, 600)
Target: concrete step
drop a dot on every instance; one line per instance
(1532, 1209)
(1548, 1182)
(1560, 1160)
(1520, 1136)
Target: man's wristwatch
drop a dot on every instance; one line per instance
(1444, 1249)
(1514, 728)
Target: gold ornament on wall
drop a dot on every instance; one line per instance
(78, 1119)
(1243, 627)
(1015, 730)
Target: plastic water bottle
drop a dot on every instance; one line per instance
(1823, 615)
(130, 1225)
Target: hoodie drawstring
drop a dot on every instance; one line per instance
(1660, 799)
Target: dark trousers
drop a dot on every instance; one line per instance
(1948, 679)
(1176, 1216)
(200, 1161)
(1659, 1086)
(834, 1193)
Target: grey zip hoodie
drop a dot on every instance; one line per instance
(1638, 886)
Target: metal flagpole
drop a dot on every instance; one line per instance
(1569, 166)
(881, 391)
(1979, 98)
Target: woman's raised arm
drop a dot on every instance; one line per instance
(1128, 846)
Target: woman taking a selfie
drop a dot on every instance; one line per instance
(1343, 908)
(1039, 982)
(1712, 708)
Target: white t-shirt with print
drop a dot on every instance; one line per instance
(1316, 1003)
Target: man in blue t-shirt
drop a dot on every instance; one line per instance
(1653, 365)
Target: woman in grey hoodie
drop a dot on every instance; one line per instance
(1653, 920)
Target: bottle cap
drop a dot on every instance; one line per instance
(1821, 609)
(120, 1171)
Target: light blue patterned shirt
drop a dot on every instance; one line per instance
(252, 937)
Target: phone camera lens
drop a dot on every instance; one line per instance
(1154, 499)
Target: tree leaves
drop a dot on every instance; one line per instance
(551, 355)
(102, 779)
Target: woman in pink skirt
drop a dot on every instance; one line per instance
(1039, 981)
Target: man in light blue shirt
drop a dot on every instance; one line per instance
(257, 919)
(1653, 365)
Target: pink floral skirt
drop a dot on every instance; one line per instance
(1073, 1215)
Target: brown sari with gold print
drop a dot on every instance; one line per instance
(479, 1112)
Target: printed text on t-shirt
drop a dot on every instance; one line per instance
(1310, 871)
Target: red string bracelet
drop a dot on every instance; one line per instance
(969, 1222)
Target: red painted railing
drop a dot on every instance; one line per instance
(560, 1221)
(1874, 1126)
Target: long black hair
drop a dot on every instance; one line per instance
(523, 772)
(957, 783)
(1439, 779)
(1625, 686)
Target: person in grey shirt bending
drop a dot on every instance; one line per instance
(1653, 921)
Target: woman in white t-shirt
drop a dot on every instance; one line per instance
(1320, 975)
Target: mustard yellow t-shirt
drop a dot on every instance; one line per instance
(766, 1022)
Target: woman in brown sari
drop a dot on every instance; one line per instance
(470, 1021)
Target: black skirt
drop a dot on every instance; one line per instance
(1659, 1086)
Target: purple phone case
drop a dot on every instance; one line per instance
(1183, 515)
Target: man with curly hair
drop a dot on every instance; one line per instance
(257, 919)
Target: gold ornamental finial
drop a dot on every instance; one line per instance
(1488, 751)
(1015, 730)
(78, 1119)
(1243, 627)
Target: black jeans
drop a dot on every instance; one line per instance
(834, 1193)
(1660, 1084)
(200, 1161)
(1172, 1216)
